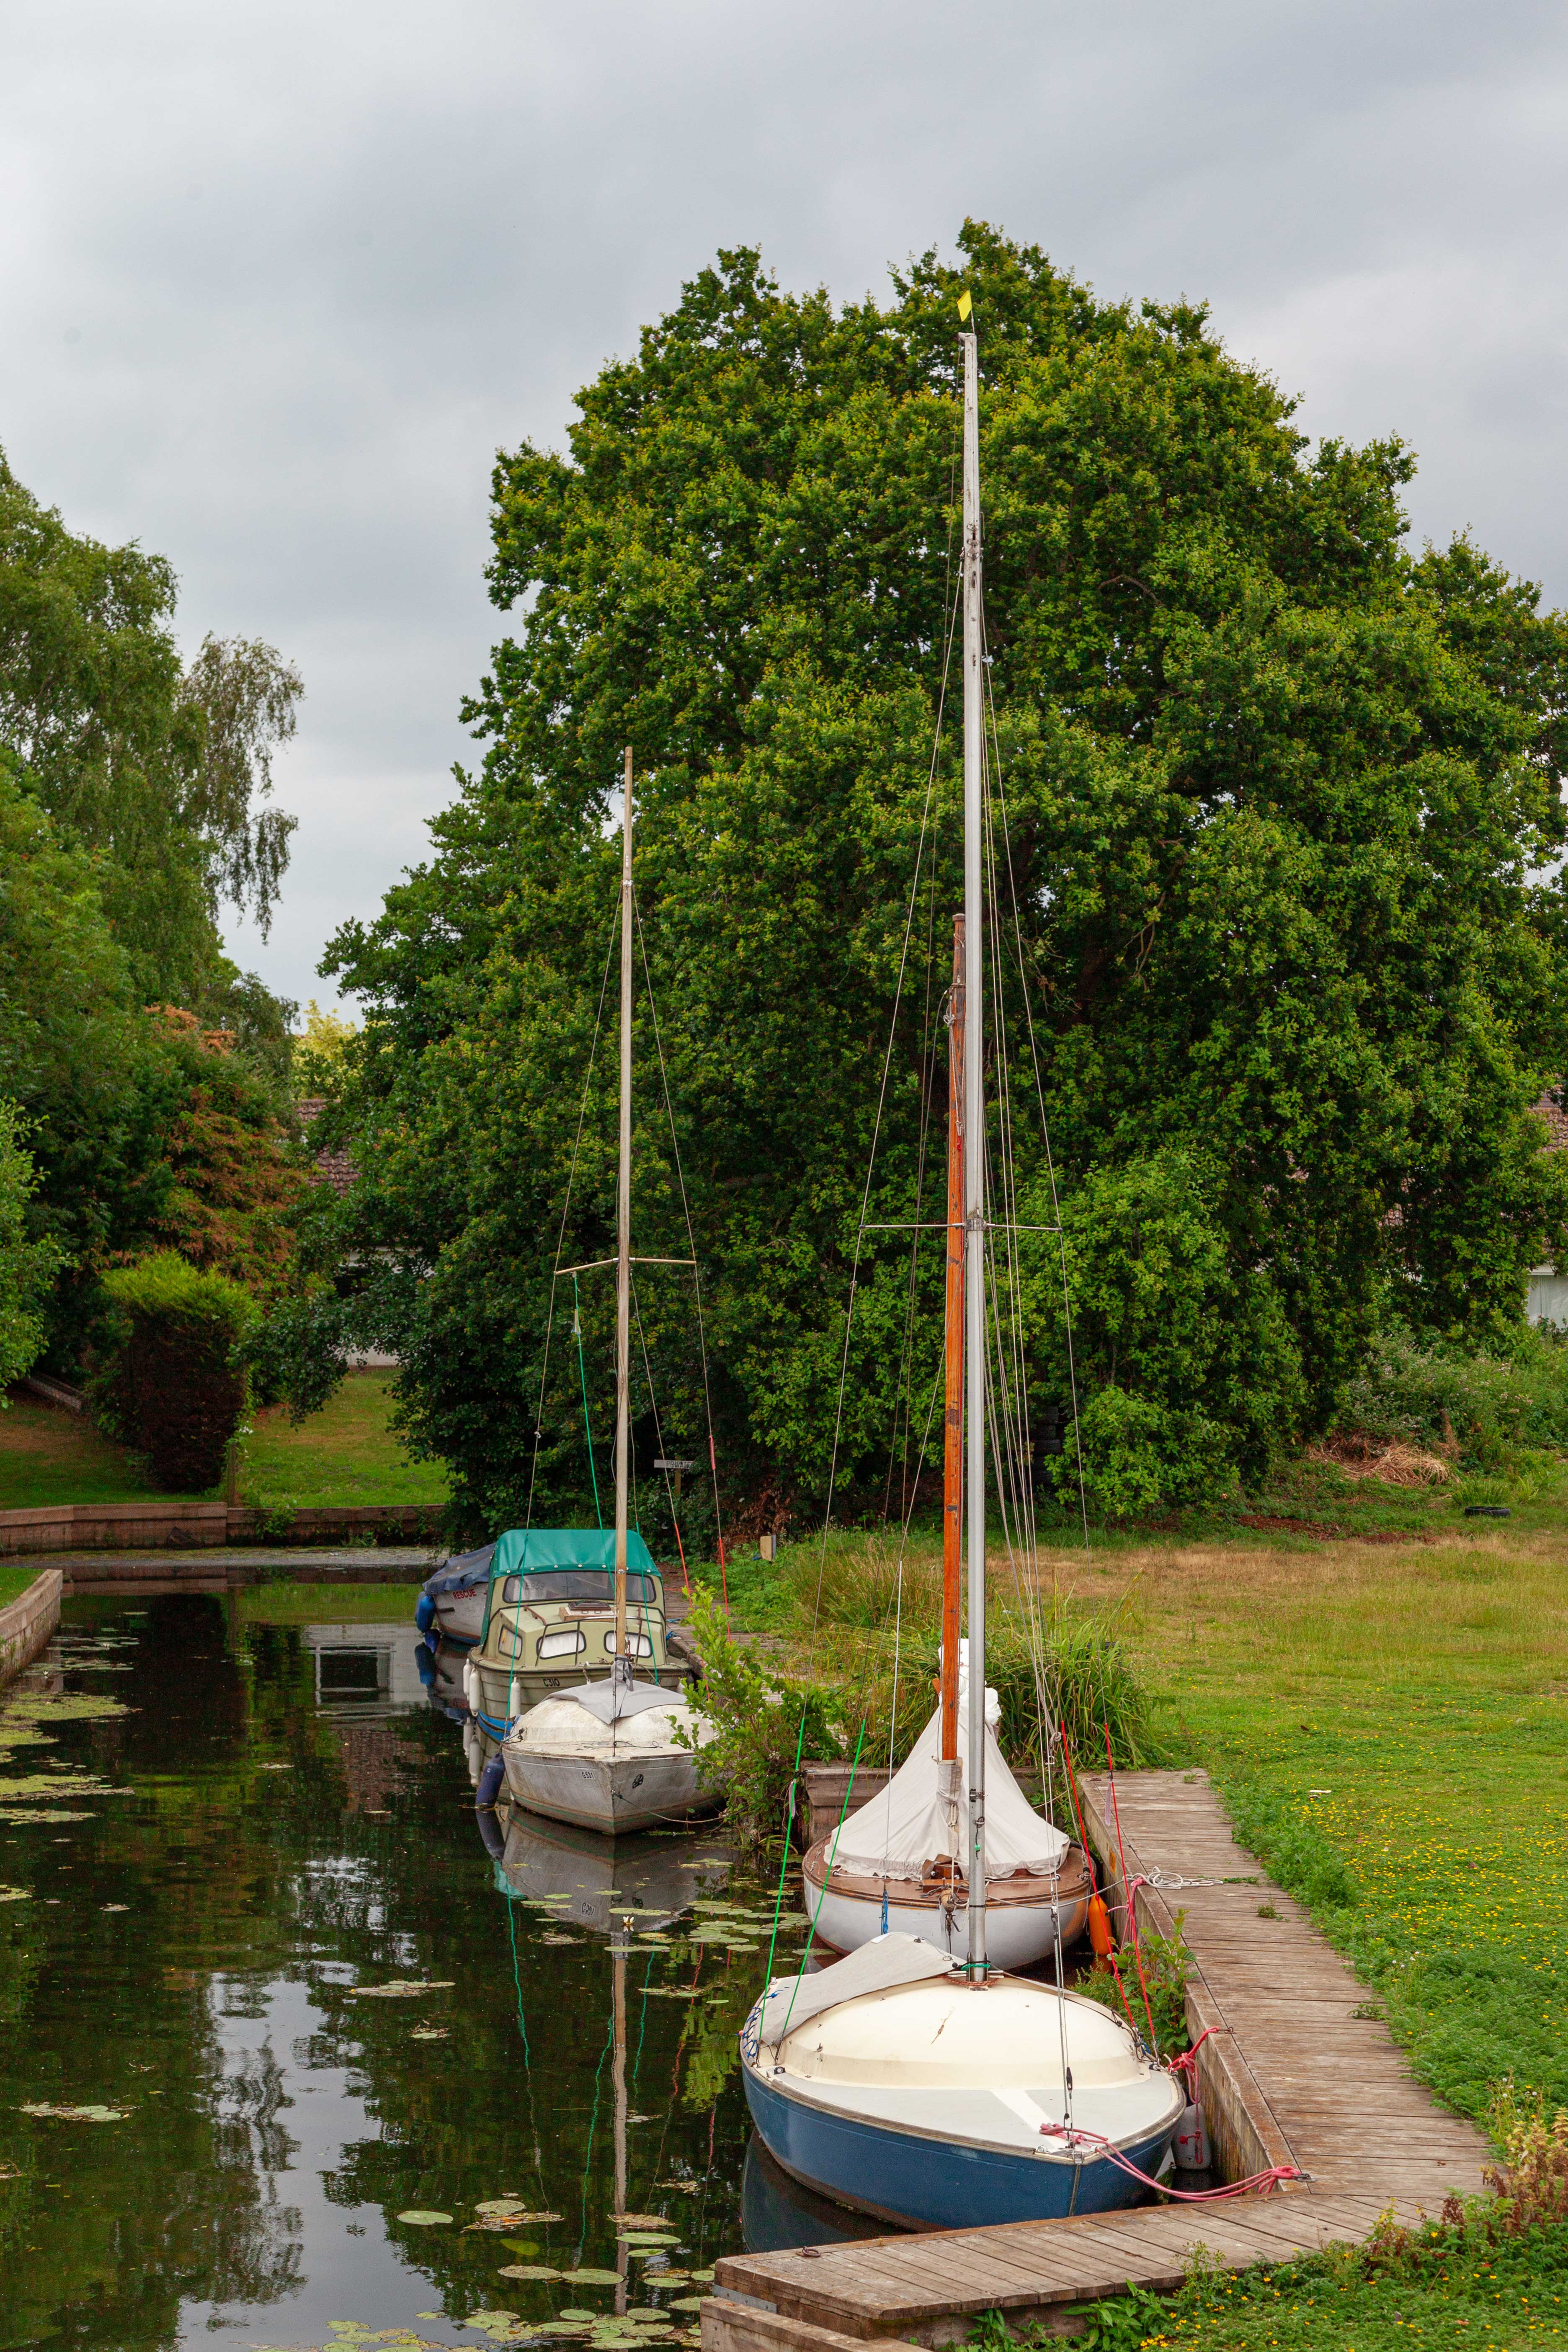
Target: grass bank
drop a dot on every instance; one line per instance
(14, 1581)
(1390, 1731)
(344, 1454)
(1440, 2287)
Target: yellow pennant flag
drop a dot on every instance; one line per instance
(965, 305)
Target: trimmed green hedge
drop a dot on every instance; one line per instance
(167, 1381)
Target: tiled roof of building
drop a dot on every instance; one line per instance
(337, 1169)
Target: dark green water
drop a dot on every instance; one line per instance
(301, 1824)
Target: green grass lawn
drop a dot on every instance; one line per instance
(1390, 1729)
(14, 1581)
(343, 1455)
(48, 1455)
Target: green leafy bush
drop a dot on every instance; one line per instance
(167, 1379)
(757, 1711)
(1141, 1458)
(1185, 1351)
(1166, 1961)
(1485, 1408)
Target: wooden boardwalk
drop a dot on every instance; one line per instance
(1290, 2075)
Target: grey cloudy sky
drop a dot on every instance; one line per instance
(276, 280)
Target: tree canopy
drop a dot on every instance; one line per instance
(155, 769)
(147, 1077)
(1278, 817)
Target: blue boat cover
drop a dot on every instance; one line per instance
(464, 1570)
(542, 1547)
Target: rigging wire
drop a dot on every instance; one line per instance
(583, 1376)
(695, 1268)
(565, 1212)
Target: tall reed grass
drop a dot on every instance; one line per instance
(868, 1617)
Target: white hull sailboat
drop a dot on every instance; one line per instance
(897, 1864)
(934, 2091)
(615, 1755)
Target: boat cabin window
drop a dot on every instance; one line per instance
(581, 1584)
(563, 1645)
(637, 1645)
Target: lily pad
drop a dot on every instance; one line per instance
(68, 2114)
(706, 2274)
(688, 2303)
(420, 2220)
(592, 2278)
(15, 1894)
(60, 1784)
(528, 2271)
(429, 2033)
(400, 1989)
(644, 2221)
(32, 1814)
(68, 1707)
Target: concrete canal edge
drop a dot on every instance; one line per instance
(194, 1526)
(27, 1624)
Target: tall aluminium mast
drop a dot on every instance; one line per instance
(622, 1670)
(975, 1158)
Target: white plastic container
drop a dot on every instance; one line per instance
(1192, 2141)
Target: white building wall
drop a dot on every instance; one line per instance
(1547, 1298)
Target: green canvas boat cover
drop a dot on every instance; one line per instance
(533, 1548)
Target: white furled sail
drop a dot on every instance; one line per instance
(910, 1824)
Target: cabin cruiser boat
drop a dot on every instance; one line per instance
(550, 1621)
(451, 1607)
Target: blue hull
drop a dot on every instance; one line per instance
(930, 2184)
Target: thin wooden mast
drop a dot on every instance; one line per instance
(952, 1424)
(975, 1159)
(622, 1668)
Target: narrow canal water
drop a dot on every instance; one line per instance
(279, 2028)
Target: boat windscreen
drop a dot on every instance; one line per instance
(581, 1584)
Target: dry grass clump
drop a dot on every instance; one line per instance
(1393, 1461)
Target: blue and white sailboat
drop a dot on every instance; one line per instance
(932, 2089)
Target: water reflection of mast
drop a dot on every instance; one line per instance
(619, 2078)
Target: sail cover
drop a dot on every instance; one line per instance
(881, 1966)
(611, 1700)
(907, 1826)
